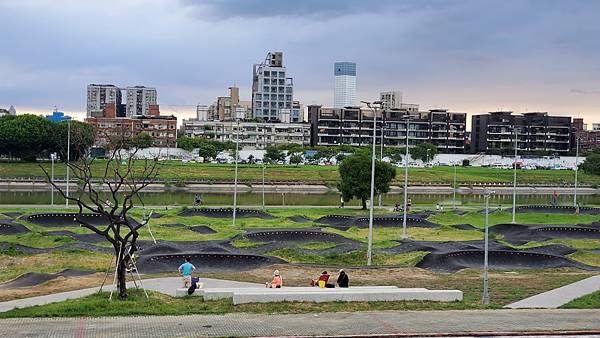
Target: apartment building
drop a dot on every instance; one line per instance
(272, 90)
(100, 96)
(354, 126)
(139, 100)
(163, 129)
(537, 132)
(252, 134)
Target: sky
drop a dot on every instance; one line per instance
(471, 56)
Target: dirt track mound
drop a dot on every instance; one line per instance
(210, 262)
(173, 225)
(557, 209)
(519, 234)
(225, 213)
(203, 229)
(65, 219)
(148, 248)
(36, 278)
(345, 222)
(498, 259)
(286, 238)
(9, 228)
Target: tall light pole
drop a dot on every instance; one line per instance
(486, 297)
(514, 206)
(454, 190)
(237, 146)
(52, 158)
(576, 169)
(370, 236)
(406, 118)
(381, 149)
(68, 160)
(263, 186)
(427, 156)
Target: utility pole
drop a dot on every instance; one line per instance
(514, 207)
(237, 143)
(486, 297)
(576, 169)
(381, 149)
(404, 235)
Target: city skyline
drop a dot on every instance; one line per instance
(472, 56)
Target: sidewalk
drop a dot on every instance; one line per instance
(324, 324)
(555, 298)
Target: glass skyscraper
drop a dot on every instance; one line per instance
(344, 94)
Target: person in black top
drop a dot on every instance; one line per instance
(343, 279)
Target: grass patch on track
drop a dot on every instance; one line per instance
(591, 301)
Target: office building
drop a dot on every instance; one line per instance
(272, 90)
(538, 133)
(354, 126)
(252, 134)
(100, 96)
(344, 93)
(139, 100)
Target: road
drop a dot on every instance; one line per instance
(407, 323)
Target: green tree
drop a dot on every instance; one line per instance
(142, 140)
(207, 150)
(26, 136)
(591, 165)
(419, 152)
(82, 138)
(186, 143)
(296, 159)
(355, 173)
(273, 154)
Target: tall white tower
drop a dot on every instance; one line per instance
(344, 94)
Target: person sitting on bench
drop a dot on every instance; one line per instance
(343, 280)
(322, 281)
(277, 281)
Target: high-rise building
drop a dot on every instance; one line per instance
(344, 94)
(271, 89)
(202, 112)
(100, 96)
(139, 100)
(231, 107)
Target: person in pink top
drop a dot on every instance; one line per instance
(277, 281)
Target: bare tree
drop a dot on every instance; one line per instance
(112, 193)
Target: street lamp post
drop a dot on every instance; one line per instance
(237, 145)
(52, 159)
(427, 156)
(381, 150)
(576, 169)
(68, 160)
(406, 118)
(263, 186)
(514, 207)
(454, 189)
(486, 297)
(370, 236)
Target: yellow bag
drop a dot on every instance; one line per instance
(321, 284)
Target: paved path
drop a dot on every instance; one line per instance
(555, 298)
(341, 323)
(165, 285)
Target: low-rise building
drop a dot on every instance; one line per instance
(252, 134)
(537, 133)
(354, 126)
(58, 116)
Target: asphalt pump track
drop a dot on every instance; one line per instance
(225, 213)
(519, 234)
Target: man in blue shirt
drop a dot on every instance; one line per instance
(186, 270)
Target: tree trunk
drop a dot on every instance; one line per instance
(121, 272)
(364, 204)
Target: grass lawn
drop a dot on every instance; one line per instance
(591, 301)
(504, 288)
(177, 171)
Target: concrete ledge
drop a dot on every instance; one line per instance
(214, 294)
(182, 292)
(349, 295)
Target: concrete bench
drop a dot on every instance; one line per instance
(348, 295)
(181, 292)
(216, 293)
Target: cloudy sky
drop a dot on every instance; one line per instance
(472, 56)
